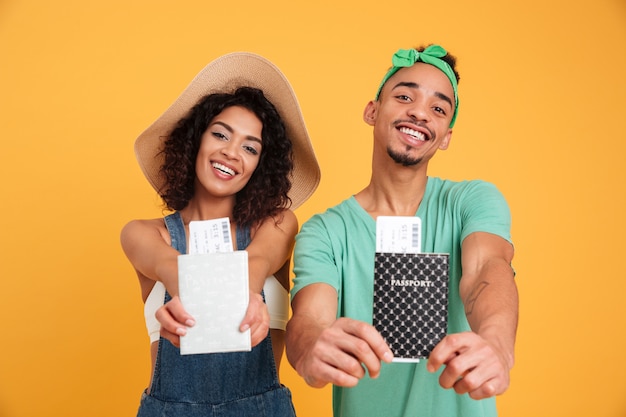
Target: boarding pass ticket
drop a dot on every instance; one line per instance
(210, 236)
(398, 234)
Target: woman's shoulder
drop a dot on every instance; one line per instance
(143, 227)
(285, 220)
(288, 215)
(145, 223)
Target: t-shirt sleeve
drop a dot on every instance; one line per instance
(485, 210)
(314, 259)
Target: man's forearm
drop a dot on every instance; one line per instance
(491, 306)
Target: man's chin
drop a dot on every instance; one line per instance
(404, 159)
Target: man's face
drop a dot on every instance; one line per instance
(412, 116)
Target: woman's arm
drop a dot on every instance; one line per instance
(271, 246)
(147, 247)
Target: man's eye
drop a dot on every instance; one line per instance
(403, 97)
(440, 110)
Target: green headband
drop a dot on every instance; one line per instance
(431, 55)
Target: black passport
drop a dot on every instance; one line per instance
(411, 302)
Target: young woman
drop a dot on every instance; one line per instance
(234, 145)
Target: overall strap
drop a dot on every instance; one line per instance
(243, 237)
(176, 228)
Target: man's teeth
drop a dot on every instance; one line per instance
(417, 135)
(223, 168)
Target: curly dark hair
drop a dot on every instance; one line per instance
(265, 194)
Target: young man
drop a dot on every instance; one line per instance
(330, 338)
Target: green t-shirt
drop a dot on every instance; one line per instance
(338, 247)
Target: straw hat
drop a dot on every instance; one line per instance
(225, 74)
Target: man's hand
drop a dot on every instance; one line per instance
(472, 365)
(479, 362)
(341, 353)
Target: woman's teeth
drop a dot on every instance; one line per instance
(223, 168)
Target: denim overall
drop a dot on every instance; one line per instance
(233, 384)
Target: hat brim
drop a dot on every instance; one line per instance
(225, 74)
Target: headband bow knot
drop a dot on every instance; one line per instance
(432, 56)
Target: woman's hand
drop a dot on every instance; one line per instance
(257, 319)
(174, 320)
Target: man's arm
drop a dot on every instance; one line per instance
(479, 362)
(324, 349)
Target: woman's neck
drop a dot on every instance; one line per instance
(208, 208)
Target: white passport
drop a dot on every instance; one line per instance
(214, 288)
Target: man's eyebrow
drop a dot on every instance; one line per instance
(231, 130)
(417, 86)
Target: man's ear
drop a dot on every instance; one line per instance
(446, 141)
(369, 114)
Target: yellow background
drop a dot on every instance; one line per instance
(543, 97)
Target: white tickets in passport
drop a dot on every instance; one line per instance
(398, 234)
(210, 236)
(213, 288)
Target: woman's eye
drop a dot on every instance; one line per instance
(220, 135)
(251, 150)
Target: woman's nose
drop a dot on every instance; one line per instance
(230, 150)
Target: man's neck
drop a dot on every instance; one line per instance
(396, 192)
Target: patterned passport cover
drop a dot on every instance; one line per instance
(411, 302)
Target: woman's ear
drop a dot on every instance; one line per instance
(369, 114)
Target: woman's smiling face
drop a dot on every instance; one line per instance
(229, 152)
